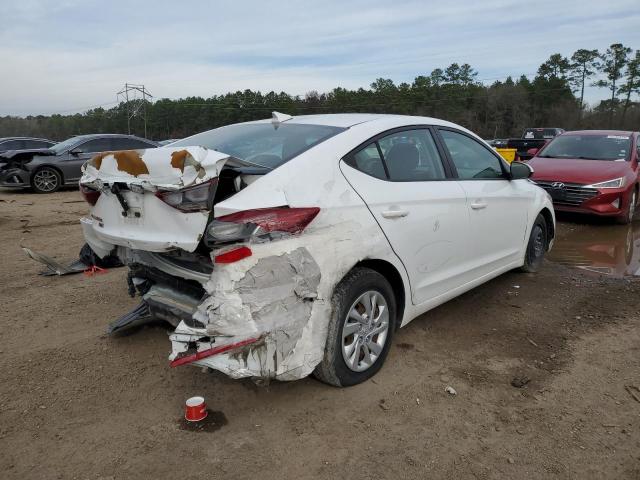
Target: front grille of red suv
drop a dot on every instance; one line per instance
(571, 194)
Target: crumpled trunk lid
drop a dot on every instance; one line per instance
(164, 168)
(148, 223)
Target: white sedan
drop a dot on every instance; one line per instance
(298, 245)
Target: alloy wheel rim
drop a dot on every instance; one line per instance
(365, 331)
(45, 180)
(538, 242)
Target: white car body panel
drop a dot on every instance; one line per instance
(431, 233)
(461, 247)
(492, 204)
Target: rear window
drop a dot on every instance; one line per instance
(589, 147)
(264, 144)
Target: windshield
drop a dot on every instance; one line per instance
(589, 147)
(62, 147)
(264, 144)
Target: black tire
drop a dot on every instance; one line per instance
(46, 180)
(333, 369)
(536, 247)
(627, 218)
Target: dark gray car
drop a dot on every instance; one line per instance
(48, 170)
(23, 143)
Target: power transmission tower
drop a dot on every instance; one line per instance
(135, 98)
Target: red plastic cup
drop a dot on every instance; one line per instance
(195, 409)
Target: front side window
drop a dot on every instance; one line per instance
(472, 160)
(67, 144)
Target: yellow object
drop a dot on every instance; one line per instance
(509, 154)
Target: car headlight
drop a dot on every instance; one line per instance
(615, 183)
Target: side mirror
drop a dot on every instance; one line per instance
(520, 170)
(75, 151)
(532, 151)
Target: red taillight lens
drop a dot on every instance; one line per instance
(260, 222)
(233, 255)
(90, 195)
(289, 220)
(191, 199)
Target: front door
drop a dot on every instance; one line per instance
(422, 212)
(498, 207)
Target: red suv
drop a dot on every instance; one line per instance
(591, 171)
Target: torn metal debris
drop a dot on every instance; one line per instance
(87, 260)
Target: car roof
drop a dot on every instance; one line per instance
(100, 135)
(599, 132)
(346, 120)
(2, 139)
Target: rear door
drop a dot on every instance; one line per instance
(401, 177)
(497, 207)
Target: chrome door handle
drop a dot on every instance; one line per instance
(395, 213)
(478, 205)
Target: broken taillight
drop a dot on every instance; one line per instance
(234, 255)
(89, 194)
(259, 222)
(191, 199)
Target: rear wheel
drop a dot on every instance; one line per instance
(536, 247)
(631, 209)
(46, 180)
(360, 329)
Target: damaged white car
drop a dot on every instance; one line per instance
(298, 245)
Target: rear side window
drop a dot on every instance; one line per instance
(369, 161)
(472, 160)
(404, 156)
(411, 156)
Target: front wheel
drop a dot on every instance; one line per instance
(46, 180)
(631, 210)
(536, 247)
(360, 329)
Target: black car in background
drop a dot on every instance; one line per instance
(47, 170)
(24, 143)
(533, 139)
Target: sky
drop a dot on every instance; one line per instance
(65, 56)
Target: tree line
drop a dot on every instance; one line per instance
(554, 97)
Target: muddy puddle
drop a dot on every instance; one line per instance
(605, 249)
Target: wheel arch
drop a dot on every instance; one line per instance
(548, 218)
(393, 276)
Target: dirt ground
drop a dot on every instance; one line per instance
(75, 403)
